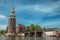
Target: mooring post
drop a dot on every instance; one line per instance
(35, 34)
(28, 34)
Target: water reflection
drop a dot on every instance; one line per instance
(19, 38)
(58, 38)
(52, 38)
(30, 38)
(10, 38)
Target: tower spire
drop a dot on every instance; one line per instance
(12, 15)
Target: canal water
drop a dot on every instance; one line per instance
(29, 38)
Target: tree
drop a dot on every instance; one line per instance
(27, 28)
(44, 29)
(1, 31)
(32, 27)
(51, 29)
(37, 27)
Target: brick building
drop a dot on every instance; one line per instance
(20, 28)
(12, 24)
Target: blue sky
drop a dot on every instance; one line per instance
(45, 13)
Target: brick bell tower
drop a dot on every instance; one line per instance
(12, 24)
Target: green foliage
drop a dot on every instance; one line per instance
(37, 27)
(50, 29)
(32, 27)
(44, 29)
(27, 28)
(1, 31)
(4, 31)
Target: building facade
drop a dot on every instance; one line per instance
(50, 33)
(53, 33)
(20, 28)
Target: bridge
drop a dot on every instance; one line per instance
(33, 33)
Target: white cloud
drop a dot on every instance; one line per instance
(2, 17)
(45, 8)
(49, 8)
(55, 23)
(3, 27)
